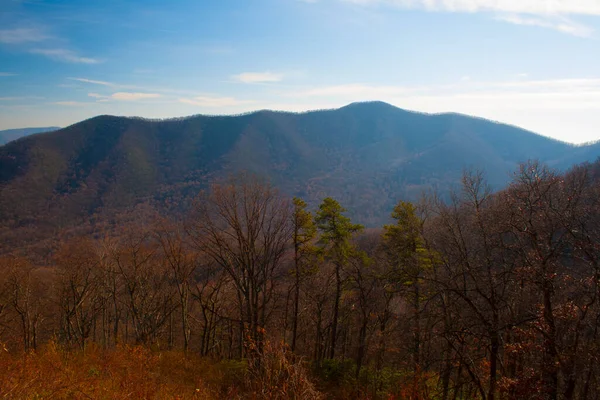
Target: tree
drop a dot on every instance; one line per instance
(146, 285)
(78, 287)
(25, 297)
(475, 281)
(337, 231)
(407, 257)
(549, 218)
(304, 234)
(181, 263)
(244, 227)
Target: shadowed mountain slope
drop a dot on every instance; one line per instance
(366, 155)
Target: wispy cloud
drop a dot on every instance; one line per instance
(124, 96)
(70, 103)
(208, 101)
(129, 96)
(65, 55)
(561, 24)
(537, 7)
(258, 77)
(92, 81)
(7, 74)
(22, 35)
(551, 14)
(130, 87)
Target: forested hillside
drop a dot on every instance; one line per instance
(252, 294)
(366, 155)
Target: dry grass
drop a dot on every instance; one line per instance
(123, 373)
(280, 375)
(129, 372)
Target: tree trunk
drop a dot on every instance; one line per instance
(336, 310)
(296, 304)
(362, 336)
(550, 367)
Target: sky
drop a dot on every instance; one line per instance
(530, 63)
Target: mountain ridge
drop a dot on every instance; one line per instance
(348, 106)
(367, 155)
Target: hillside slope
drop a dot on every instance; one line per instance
(367, 155)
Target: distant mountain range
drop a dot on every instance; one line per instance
(14, 134)
(366, 155)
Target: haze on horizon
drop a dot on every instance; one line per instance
(530, 63)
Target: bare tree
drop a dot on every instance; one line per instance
(78, 286)
(181, 263)
(25, 295)
(244, 227)
(146, 287)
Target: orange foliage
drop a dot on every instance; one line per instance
(124, 373)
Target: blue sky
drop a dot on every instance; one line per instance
(531, 63)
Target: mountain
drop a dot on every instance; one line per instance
(366, 155)
(14, 134)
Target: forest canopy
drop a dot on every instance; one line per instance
(253, 294)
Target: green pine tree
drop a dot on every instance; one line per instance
(337, 231)
(407, 256)
(304, 233)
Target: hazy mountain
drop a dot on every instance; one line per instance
(14, 134)
(366, 155)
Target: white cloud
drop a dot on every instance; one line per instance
(208, 101)
(84, 80)
(21, 35)
(7, 74)
(70, 103)
(257, 77)
(65, 55)
(563, 25)
(128, 96)
(536, 7)
(551, 14)
(123, 96)
(139, 89)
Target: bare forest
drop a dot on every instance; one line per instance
(251, 294)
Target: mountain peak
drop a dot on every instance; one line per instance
(371, 105)
(367, 155)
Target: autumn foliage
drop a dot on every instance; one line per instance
(253, 295)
